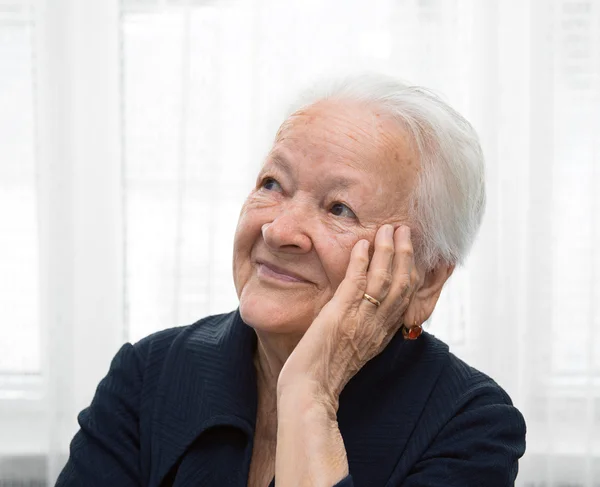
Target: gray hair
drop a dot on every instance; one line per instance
(448, 201)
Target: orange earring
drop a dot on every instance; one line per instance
(412, 333)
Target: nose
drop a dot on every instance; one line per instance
(287, 233)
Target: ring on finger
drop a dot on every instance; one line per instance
(372, 300)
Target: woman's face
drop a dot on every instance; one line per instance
(337, 172)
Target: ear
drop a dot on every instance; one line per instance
(426, 296)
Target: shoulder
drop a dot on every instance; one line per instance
(154, 360)
(456, 380)
(154, 348)
(457, 395)
(462, 382)
(468, 425)
(469, 405)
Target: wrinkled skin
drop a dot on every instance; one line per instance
(339, 176)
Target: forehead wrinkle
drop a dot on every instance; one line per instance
(358, 117)
(361, 137)
(280, 161)
(377, 131)
(350, 121)
(328, 182)
(354, 129)
(337, 182)
(343, 154)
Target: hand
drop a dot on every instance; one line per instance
(349, 331)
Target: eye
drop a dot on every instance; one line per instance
(340, 209)
(270, 184)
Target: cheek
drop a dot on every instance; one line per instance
(335, 251)
(246, 234)
(249, 225)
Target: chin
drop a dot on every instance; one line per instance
(273, 315)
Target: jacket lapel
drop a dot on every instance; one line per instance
(208, 380)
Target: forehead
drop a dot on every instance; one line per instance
(352, 134)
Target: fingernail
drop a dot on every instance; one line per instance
(388, 231)
(405, 229)
(365, 244)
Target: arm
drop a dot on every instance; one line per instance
(105, 451)
(480, 445)
(310, 448)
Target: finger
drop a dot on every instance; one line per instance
(379, 275)
(404, 264)
(352, 288)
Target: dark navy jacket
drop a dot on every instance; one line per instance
(178, 409)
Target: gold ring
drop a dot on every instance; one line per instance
(371, 299)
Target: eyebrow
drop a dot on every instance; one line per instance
(283, 163)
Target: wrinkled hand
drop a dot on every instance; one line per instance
(349, 331)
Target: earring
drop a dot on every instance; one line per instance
(412, 333)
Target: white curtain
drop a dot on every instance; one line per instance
(140, 128)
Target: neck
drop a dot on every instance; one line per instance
(272, 351)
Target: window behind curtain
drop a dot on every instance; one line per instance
(202, 81)
(19, 326)
(185, 78)
(576, 198)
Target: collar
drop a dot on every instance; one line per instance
(208, 380)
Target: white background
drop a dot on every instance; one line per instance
(130, 133)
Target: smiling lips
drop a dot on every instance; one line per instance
(274, 272)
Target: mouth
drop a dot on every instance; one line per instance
(271, 271)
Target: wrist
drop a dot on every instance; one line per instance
(309, 441)
(307, 397)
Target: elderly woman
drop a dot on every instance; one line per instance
(372, 193)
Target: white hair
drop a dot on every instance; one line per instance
(448, 201)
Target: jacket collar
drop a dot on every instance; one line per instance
(210, 380)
